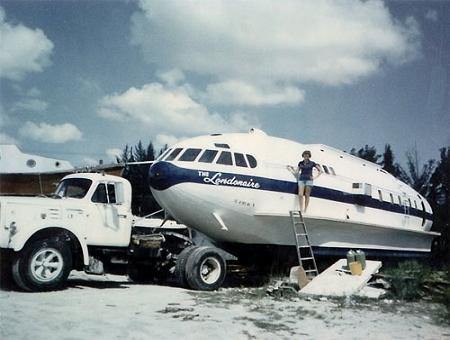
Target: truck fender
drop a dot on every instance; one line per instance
(18, 244)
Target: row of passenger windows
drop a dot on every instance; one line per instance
(208, 156)
(399, 200)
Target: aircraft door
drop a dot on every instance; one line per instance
(111, 220)
(406, 211)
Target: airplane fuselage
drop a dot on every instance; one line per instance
(236, 188)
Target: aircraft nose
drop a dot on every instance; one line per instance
(159, 175)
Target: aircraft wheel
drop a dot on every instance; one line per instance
(180, 266)
(205, 269)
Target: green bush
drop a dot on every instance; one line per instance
(407, 280)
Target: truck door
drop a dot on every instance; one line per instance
(111, 220)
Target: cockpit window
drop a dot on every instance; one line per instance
(252, 161)
(208, 156)
(173, 154)
(164, 154)
(240, 160)
(73, 187)
(190, 155)
(225, 158)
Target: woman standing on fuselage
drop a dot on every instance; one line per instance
(305, 177)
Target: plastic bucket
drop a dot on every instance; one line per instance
(355, 268)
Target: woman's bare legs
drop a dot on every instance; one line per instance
(301, 192)
(307, 193)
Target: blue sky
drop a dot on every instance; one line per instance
(80, 79)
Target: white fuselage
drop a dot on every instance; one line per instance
(354, 203)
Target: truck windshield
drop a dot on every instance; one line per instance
(73, 187)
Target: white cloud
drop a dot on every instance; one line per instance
(31, 104)
(23, 50)
(163, 139)
(89, 85)
(88, 161)
(113, 153)
(167, 111)
(172, 77)
(236, 92)
(48, 133)
(431, 15)
(290, 41)
(7, 139)
(33, 92)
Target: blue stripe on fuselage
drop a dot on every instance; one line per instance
(175, 175)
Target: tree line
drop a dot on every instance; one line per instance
(431, 180)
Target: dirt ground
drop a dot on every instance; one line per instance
(110, 307)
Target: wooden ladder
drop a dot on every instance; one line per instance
(305, 253)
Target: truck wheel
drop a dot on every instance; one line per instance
(205, 269)
(180, 266)
(43, 265)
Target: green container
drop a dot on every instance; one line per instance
(350, 258)
(360, 256)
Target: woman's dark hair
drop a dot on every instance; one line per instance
(306, 152)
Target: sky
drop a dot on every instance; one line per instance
(81, 79)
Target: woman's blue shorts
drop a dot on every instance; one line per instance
(305, 183)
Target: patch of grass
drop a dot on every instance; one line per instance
(267, 325)
(407, 280)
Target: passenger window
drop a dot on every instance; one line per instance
(392, 198)
(251, 161)
(174, 154)
(99, 195)
(225, 158)
(399, 200)
(325, 168)
(380, 195)
(409, 201)
(415, 204)
(332, 171)
(111, 193)
(190, 155)
(240, 159)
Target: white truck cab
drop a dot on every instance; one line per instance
(87, 209)
(87, 224)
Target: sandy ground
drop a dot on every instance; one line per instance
(110, 307)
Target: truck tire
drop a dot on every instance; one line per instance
(6, 280)
(180, 266)
(43, 265)
(205, 269)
